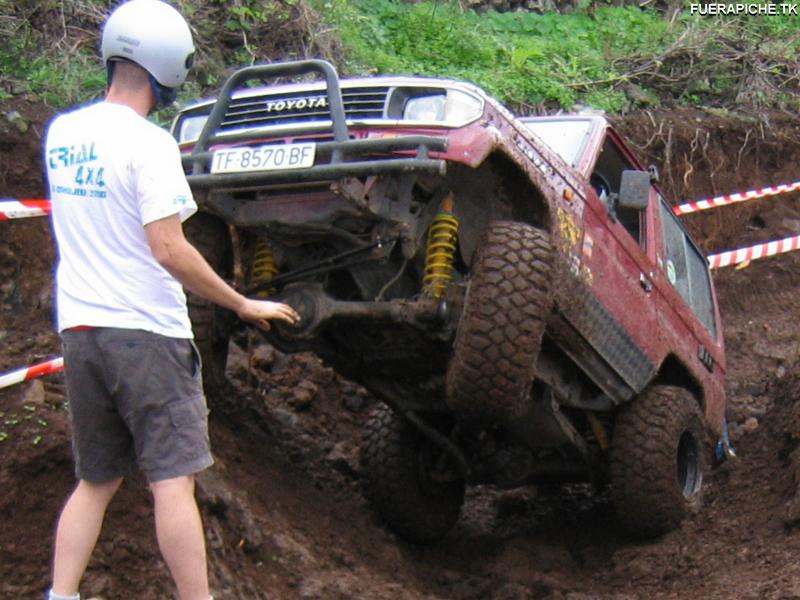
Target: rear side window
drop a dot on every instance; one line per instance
(687, 269)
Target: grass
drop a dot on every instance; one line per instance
(615, 58)
(608, 57)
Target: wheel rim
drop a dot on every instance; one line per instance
(690, 476)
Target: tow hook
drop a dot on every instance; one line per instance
(724, 449)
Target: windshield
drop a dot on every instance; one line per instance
(566, 137)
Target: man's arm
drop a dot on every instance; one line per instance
(174, 252)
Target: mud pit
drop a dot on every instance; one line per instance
(283, 511)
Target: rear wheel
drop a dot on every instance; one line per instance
(657, 460)
(212, 324)
(498, 340)
(411, 481)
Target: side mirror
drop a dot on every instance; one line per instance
(634, 190)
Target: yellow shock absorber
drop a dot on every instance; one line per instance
(441, 250)
(264, 267)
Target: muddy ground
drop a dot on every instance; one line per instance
(282, 507)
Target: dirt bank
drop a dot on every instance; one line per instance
(283, 510)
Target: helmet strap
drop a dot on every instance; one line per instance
(109, 72)
(165, 96)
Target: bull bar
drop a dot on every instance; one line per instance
(346, 155)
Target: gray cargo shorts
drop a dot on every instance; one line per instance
(136, 401)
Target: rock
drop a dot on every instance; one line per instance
(17, 120)
(19, 87)
(237, 359)
(263, 357)
(637, 94)
(45, 300)
(7, 290)
(790, 224)
(777, 351)
(284, 417)
(352, 400)
(34, 393)
(343, 459)
(750, 425)
(735, 432)
(303, 395)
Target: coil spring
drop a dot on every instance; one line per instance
(264, 267)
(441, 250)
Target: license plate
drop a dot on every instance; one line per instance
(271, 157)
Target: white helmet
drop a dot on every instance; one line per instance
(152, 34)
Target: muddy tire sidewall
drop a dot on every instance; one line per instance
(212, 325)
(659, 457)
(396, 479)
(500, 333)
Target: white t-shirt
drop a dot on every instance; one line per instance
(111, 172)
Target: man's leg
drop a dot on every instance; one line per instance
(179, 530)
(78, 529)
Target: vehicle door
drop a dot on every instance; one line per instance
(690, 318)
(620, 314)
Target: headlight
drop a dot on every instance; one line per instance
(190, 128)
(427, 108)
(454, 108)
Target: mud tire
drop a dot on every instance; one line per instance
(500, 334)
(212, 324)
(658, 459)
(395, 473)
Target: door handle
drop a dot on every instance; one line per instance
(645, 282)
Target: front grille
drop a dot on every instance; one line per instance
(300, 107)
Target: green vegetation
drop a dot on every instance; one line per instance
(611, 58)
(33, 427)
(526, 59)
(614, 58)
(40, 58)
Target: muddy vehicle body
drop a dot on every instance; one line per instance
(517, 291)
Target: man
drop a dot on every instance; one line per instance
(119, 196)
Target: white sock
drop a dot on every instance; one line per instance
(53, 596)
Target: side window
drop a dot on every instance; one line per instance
(687, 269)
(606, 178)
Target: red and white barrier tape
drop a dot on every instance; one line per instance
(690, 207)
(44, 368)
(735, 257)
(18, 209)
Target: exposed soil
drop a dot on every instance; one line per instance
(282, 506)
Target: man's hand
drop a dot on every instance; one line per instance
(173, 252)
(259, 312)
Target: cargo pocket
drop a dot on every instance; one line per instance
(190, 426)
(186, 413)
